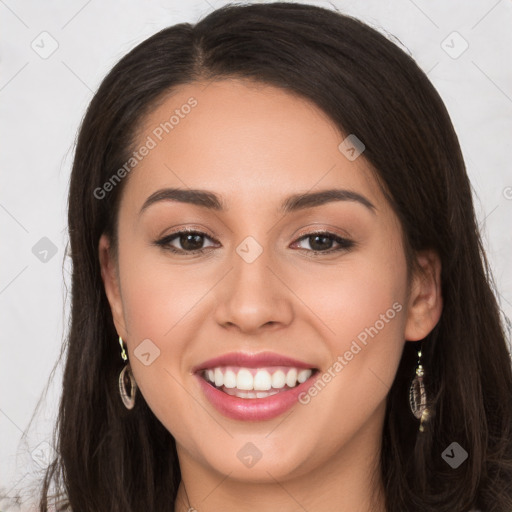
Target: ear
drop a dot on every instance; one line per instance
(110, 277)
(425, 302)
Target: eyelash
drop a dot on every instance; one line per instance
(345, 243)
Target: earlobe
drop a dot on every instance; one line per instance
(425, 302)
(110, 279)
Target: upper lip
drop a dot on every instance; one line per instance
(248, 360)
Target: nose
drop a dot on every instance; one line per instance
(254, 296)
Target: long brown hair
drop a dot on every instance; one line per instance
(111, 459)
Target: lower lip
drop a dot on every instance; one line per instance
(254, 409)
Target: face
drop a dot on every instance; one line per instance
(310, 284)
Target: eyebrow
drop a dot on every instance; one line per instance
(295, 202)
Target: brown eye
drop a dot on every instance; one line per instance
(323, 241)
(187, 241)
(191, 242)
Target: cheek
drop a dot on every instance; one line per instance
(362, 303)
(365, 316)
(157, 295)
(158, 301)
(361, 297)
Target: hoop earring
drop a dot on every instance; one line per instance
(418, 395)
(126, 375)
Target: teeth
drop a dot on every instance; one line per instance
(250, 394)
(244, 380)
(262, 380)
(304, 375)
(247, 381)
(291, 378)
(219, 378)
(278, 379)
(230, 380)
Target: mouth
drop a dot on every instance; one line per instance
(256, 383)
(254, 386)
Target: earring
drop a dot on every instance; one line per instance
(126, 376)
(418, 395)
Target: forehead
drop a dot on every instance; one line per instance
(251, 143)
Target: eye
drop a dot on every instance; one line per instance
(191, 242)
(321, 242)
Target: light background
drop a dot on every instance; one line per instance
(42, 101)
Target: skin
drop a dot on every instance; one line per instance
(254, 145)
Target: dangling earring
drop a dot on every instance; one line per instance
(418, 395)
(126, 375)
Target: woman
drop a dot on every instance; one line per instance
(280, 296)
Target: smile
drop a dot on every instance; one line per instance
(254, 387)
(251, 383)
